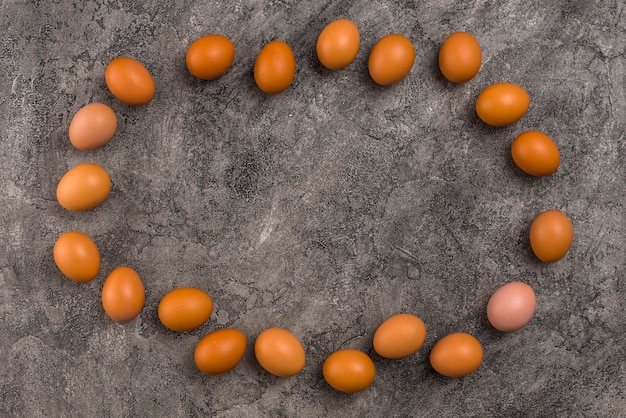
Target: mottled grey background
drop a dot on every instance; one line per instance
(323, 210)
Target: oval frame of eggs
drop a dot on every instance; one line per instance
(278, 350)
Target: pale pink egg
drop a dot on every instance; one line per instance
(511, 307)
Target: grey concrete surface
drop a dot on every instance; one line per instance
(323, 210)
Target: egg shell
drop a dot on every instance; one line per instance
(210, 56)
(535, 153)
(399, 336)
(129, 80)
(93, 126)
(220, 351)
(338, 44)
(77, 256)
(511, 307)
(460, 57)
(349, 370)
(279, 352)
(456, 355)
(275, 67)
(502, 104)
(551, 235)
(185, 308)
(391, 59)
(123, 294)
(83, 187)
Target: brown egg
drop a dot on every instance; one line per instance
(460, 57)
(83, 187)
(220, 350)
(210, 56)
(185, 308)
(123, 294)
(129, 81)
(502, 104)
(338, 44)
(535, 153)
(551, 235)
(77, 256)
(456, 355)
(279, 352)
(349, 370)
(391, 59)
(92, 126)
(399, 336)
(275, 67)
